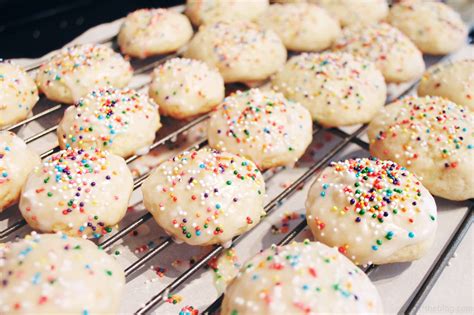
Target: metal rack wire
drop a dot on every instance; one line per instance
(275, 203)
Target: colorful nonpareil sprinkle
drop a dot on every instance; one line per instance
(286, 220)
(4, 150)
(184, 88)
(104, 114)
(432, 124)
(262, 126)
(75, 58)
(189, 310)
(205, 196)
(147, 32)
(77, 191)
(46, 273)
(319, 279)
(19, 93)
(384, 45)
(363, 204)
(174, 299)
(225, 267)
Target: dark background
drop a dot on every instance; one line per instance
(33, 28)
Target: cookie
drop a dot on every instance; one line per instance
(453, 80)
(53, 273)
(433, 26)
(205, 197)
(78, 192)
(121, 121)
(241, 51)
(350, 12)
(148, 32)
(184, 88)
(210, 11)
(373, 211)
(16, 162)
(301, 278)
(261, 126)
(75, 71)
(394, 54)
(18, 94)
(433, 138)
(337, 88)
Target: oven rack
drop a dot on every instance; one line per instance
(347, 138)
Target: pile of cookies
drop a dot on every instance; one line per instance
(361, 211)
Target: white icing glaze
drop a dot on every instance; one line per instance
(184, 88)
(433, 138)
(76, 70)
(53, 273)
(148, 32)
(392, 52)
(301, 26)
(205, 197)
(433, 26)
(18, 94)
(241, 51)
(301, 278)
(374, 211)
(262, 126)
(121, 121)
(337, 88)
(207, 11)
(79, 192)
(16, 162)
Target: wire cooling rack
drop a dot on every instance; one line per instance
(142, 298)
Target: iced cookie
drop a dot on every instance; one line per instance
(337, 88)
(75, 71)
(18, 94)
(209, 11)
(433, 26)
(433, 138)
(301, 26)
(373, 211)
(79, 192)
(121, 121)
(262, 126)
(16, 162)
(350, 12)
(205, 197)
(148, 32)
(393, 53)
(453, 80)
(241, 51)
(56, 274)
(301, 278)
(184, 88)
